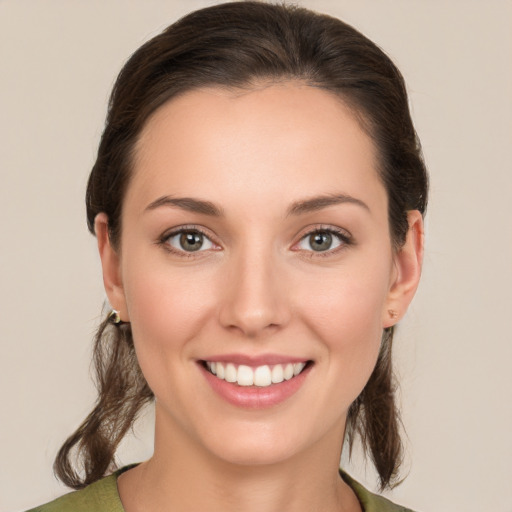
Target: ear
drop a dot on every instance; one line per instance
(407, 271)
(110, 263)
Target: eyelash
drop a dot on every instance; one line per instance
(164, 241)
(343, 237)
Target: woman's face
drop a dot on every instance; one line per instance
(255, 237)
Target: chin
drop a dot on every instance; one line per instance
(260, 444)
(255, 454)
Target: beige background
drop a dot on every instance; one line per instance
(58, 60)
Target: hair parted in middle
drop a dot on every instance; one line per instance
(240, 45)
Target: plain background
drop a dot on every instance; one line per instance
(58, 60)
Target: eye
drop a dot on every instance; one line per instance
(322, 240)
(189, 240)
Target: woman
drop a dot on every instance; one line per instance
(257, 199)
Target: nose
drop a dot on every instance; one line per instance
(254, 299)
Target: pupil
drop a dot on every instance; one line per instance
(191, 241)
(321, 241)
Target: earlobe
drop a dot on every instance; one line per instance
(110, 264)
(408, 261)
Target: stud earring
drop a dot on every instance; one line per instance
(392, 313)
(114, 317)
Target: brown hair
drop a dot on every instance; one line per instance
(234, 45)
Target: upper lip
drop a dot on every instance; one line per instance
(255, 360)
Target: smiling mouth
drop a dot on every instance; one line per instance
(259, 376)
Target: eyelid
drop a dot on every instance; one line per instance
(342, 235)
(164, 240)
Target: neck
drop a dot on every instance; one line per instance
(180, 477)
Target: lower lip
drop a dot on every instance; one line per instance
(254, 397)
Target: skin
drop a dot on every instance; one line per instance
(257, 288)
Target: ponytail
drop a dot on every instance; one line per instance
(122, 392)
(374, 416)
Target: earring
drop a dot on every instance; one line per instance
(392, 313)
(114, 317)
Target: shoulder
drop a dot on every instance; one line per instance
(371, 502)
(101, 496)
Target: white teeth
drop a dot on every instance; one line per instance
(230, 375)
(245, 376)
(261, 376)
(297, 368)
(277, 374)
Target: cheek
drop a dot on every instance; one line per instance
(346, 301)
(158, 295)
(346, 316)
(166, 310)
(350, 324)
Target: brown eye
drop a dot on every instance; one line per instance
(189, 240)
(321, 241)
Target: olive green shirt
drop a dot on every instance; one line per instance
(103, 496)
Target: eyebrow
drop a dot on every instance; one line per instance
(317, 203)
(297, 208)
(187, 203)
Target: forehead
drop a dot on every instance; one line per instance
(282, 138)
